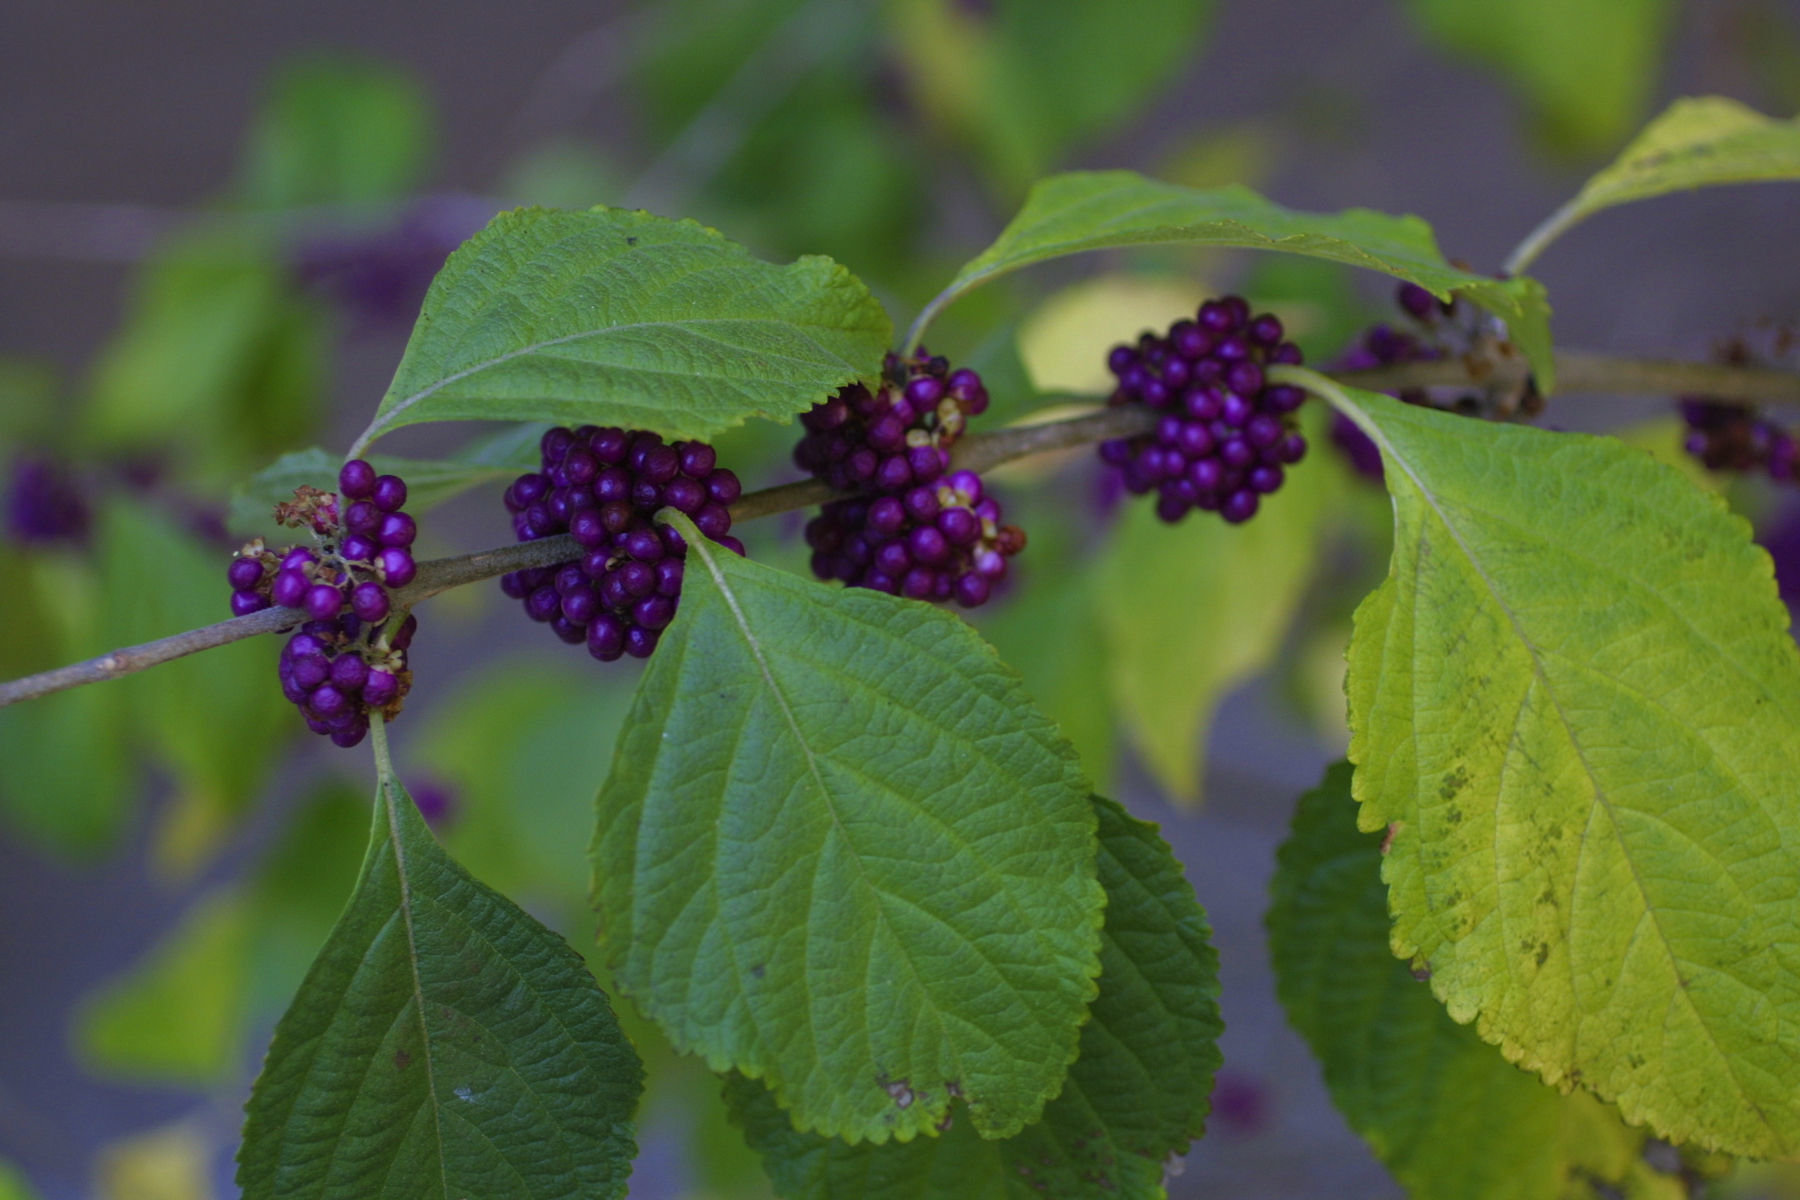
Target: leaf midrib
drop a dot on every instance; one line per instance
(488, 364)
(699, 546)
(418, 983)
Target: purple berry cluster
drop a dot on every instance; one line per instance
(1225, 434)
(342, 665)
(340, 670)
(603, 487)
(1733, 437)
(364, 548)
(914, 528)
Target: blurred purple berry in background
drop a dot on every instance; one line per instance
(379, 274)
(1240, 1104)
(436, 801)
(44, 503)
(1780, 536)
(1359, 449)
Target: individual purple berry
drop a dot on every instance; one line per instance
(356, 480)
(397, 529)
(395, 567)
(369, 601)
(245, 603)
(640, 642)
(323, 601)
(1419, 304)
(606, 637)
(244, 574)
(362, 517)
(381, 688)
(348, 673)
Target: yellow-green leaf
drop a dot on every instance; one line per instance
(1575, 705)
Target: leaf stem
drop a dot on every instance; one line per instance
(384, 763)
(1548, 230)
(1580, 372)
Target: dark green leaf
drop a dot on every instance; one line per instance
(1136, 1095)
(1576, 703)
(443, 1045)
(1100, 210)
(840, 851)
(623, 318)
(1451, 1118)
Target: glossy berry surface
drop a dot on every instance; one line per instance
(912, 527)
(1225, 434)
(604, 486)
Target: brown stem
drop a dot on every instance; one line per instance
(1577, 373)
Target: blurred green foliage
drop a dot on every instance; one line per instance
(1585, 69)
(338, 131)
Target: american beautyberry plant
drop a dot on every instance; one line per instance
(1539, 927)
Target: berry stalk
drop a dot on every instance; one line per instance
(1578, 373)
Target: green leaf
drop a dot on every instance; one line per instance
(867, 875)
(490, 460)
(1447, 1114)
(1103, 210)
(1045, 632)
(1033, 80)
(1701, 141)
(1586, 69)
(520, 745)
(1576, 700)
(623, 318)
(195, 715)
(443, 1045)
(1137, 1094)
(68, 777)
(182, 1014)
(338, 131)
(218, 359)
(178, 1017)
(1190, 611)
(13, 1185)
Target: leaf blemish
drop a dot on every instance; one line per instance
(402, 1060)
(898, 1090)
